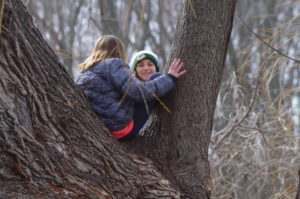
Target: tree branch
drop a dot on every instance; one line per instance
(267, 44)
(250, 107)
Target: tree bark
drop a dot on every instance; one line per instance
(109, 20)
(53, 146)
(178, 142)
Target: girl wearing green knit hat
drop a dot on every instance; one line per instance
(144, 63)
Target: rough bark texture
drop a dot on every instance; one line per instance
(180, 140)
(51, 144)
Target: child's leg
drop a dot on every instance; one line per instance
(140, 117)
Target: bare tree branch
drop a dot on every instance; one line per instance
(267, 44)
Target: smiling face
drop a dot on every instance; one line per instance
(144, 69)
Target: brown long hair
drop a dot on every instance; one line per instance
(107, 46)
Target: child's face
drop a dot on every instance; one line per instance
(144, 69)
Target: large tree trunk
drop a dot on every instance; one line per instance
(179, 141)
(53, 146)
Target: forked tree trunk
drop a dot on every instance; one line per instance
(179, 141)
(53, 146)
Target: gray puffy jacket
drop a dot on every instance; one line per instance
(112, 91)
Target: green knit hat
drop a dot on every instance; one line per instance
(144, 54)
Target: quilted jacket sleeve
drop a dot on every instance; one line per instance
(123, 80)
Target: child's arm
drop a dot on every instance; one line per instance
(123, 80)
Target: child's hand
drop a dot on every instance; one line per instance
(175, 68)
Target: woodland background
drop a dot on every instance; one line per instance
(254, 149)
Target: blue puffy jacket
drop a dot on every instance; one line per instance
(112, 91)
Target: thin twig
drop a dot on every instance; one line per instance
(1, 15)
(147, 89)
(245, 116)
(192, 8)
(95, 23)
(261, 132)
(142, 13)
(267, 44)
(158, 99)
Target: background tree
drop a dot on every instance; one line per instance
(140, 24)
(59, 20)
(255, 141)
(179, 144)
(53, 145)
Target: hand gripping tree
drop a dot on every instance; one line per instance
(53, 146)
